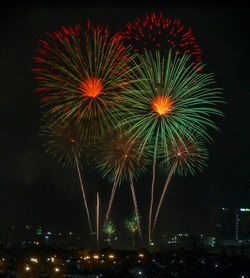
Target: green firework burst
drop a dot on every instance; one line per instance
(109, 227)
(132, 224)
(169, 98)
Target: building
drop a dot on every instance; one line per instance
(233, 224)
(191, 241)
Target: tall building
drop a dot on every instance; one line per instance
(243, 227)
(233, 224)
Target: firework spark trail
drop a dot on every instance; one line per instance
(152, 193)
(97, 218)
(83, 194)
(116, 180)
(135, 202)
(151, 203)
(163, 194)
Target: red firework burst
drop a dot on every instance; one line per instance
(83, 73)
(153, 32)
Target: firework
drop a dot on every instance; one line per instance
(83, 74)
(184, 156)
(120, 161)
(169, 99)
(156, 32)
(109, 229)
(132, 226)
(66, 143)
(97, 217)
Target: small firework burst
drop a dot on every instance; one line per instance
(109, 229)
(132, 224)
(119, 153)
(156, 32)
(65, 140)
(187, 156)
(83, 73)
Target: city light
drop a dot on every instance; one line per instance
(225, 208)
(57, 269)
(34, 260)
(111, 256)
(244, 209)
(141, 255)
(96, 257)
(27, 268)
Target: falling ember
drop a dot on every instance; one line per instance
(91, 87)
(162, 105)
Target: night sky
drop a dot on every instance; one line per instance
(36, 190)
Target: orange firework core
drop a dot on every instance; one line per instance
(91, 87)
(162, 105)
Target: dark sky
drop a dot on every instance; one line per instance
(34, 189)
